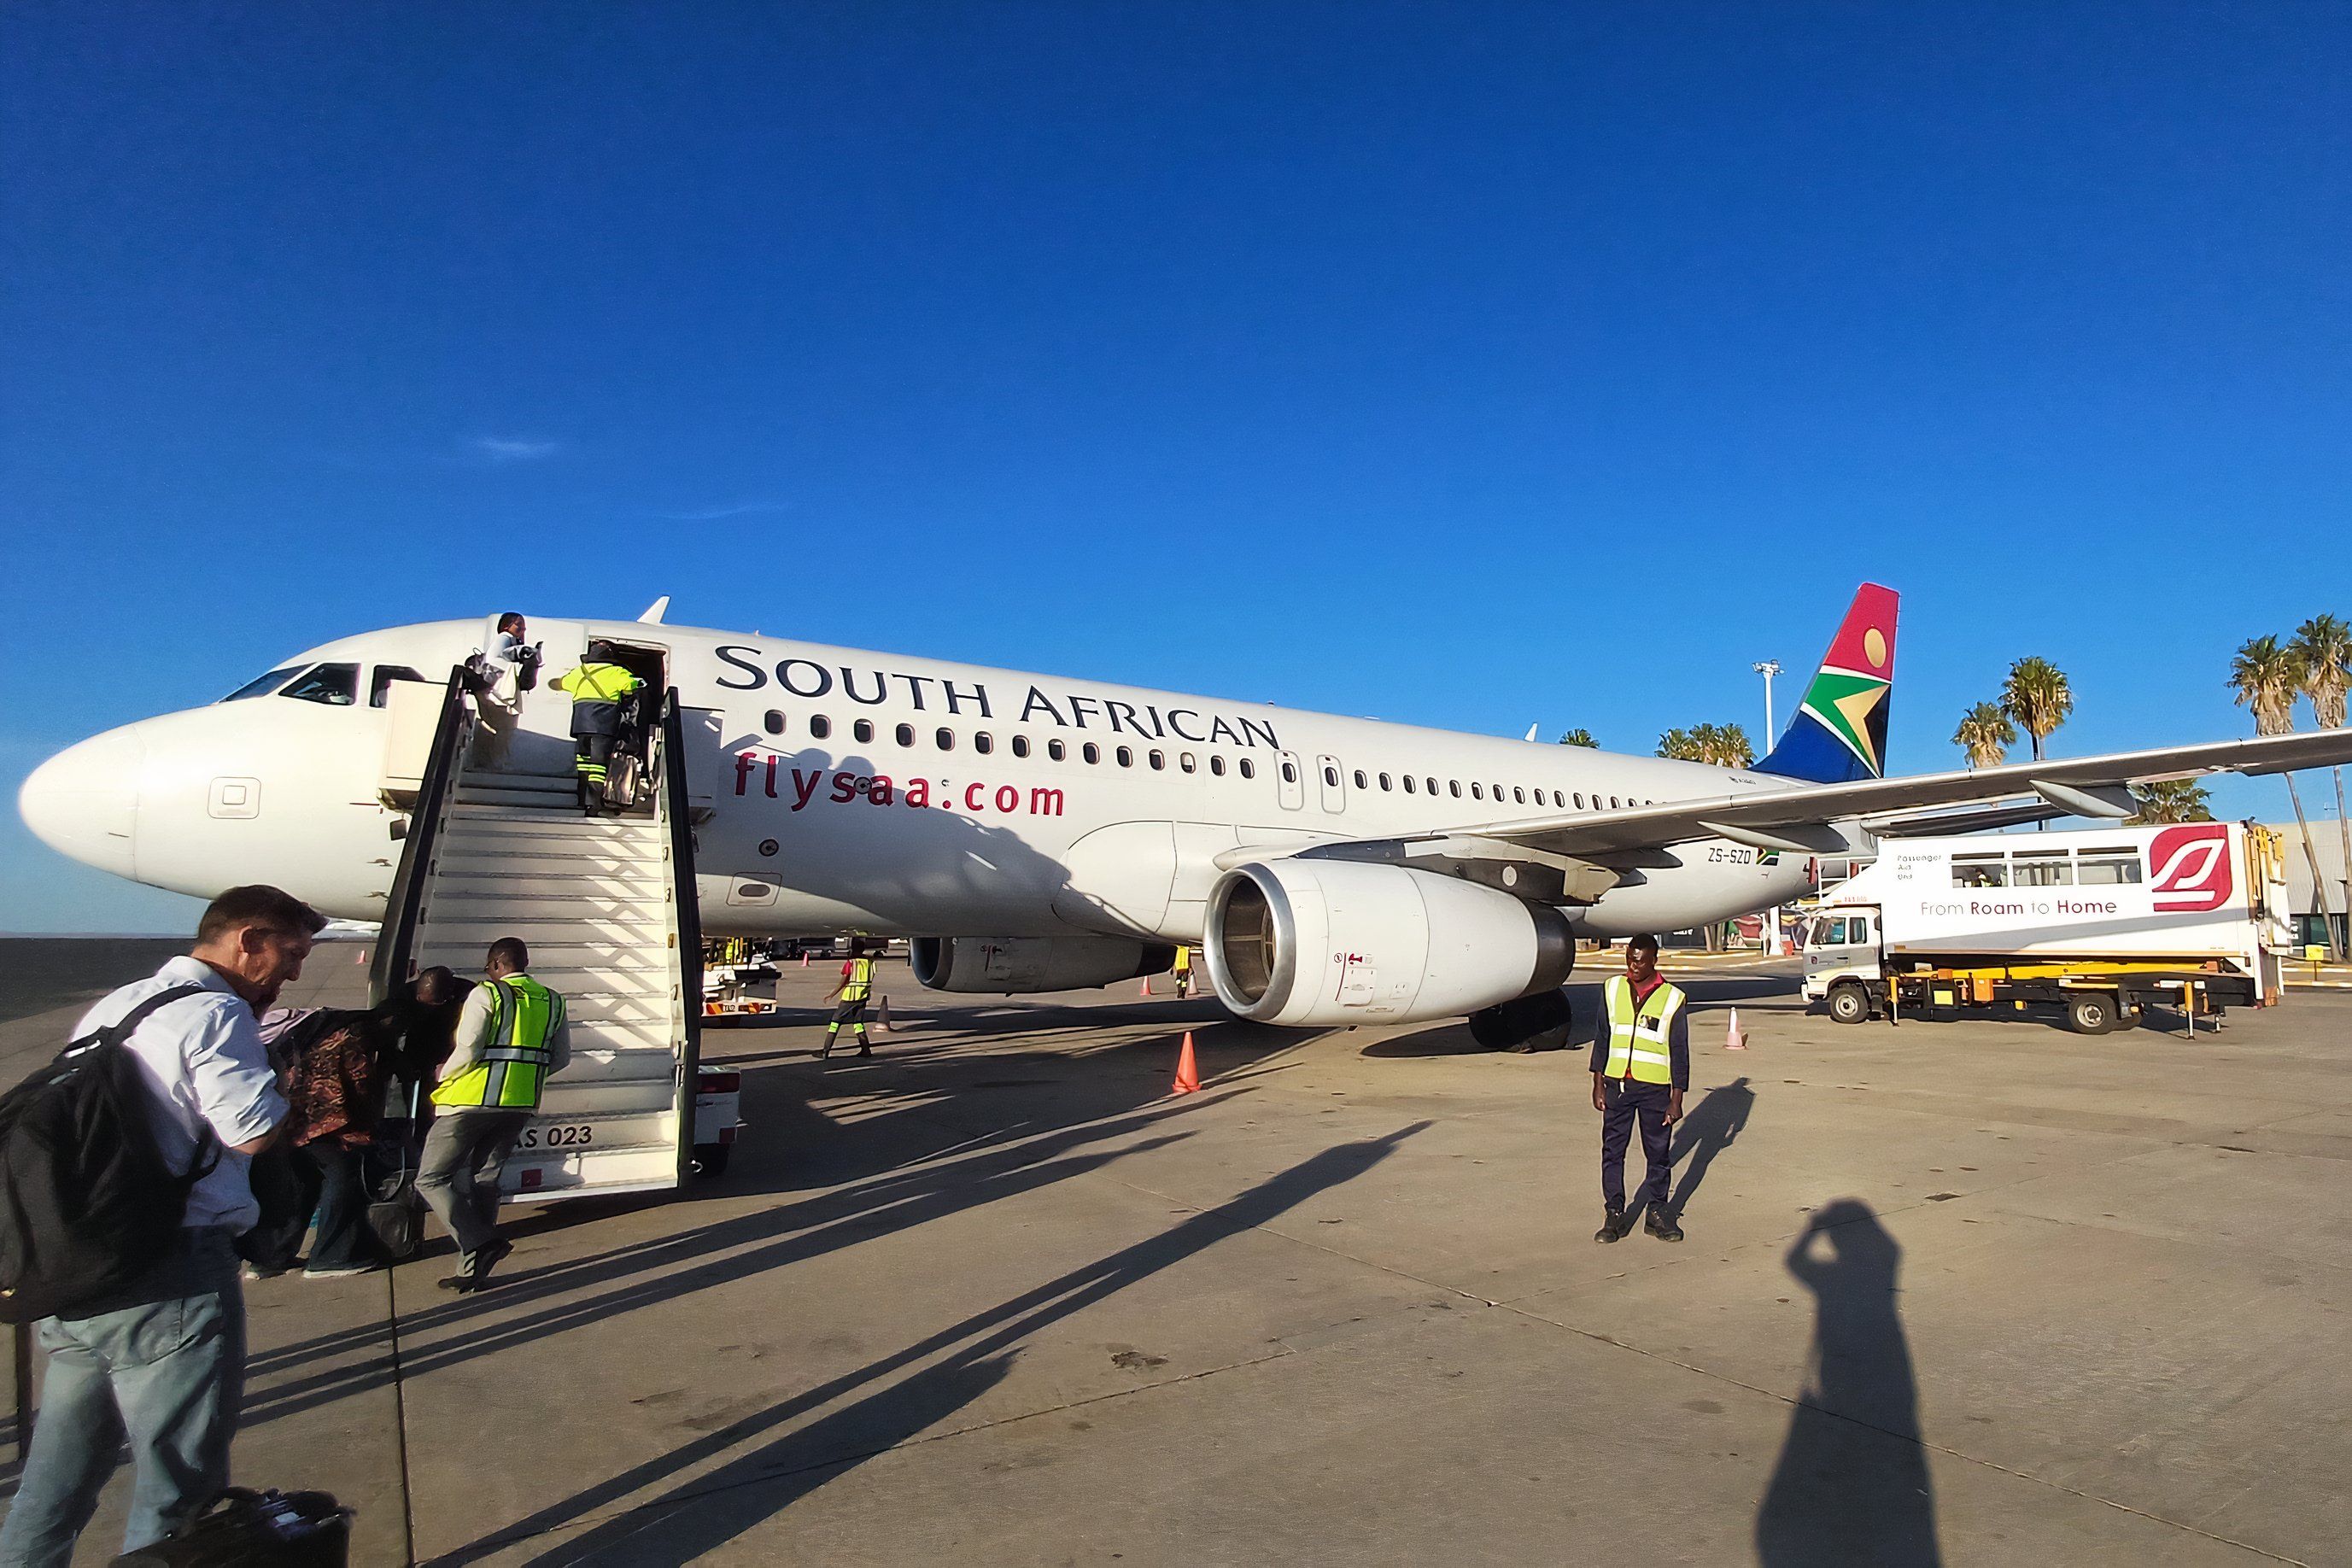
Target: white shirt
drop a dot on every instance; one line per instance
(203, 1060)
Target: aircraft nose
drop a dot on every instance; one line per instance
(84, 802)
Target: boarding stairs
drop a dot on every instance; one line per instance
(606, 904)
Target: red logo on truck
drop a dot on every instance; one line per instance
(2190, 866)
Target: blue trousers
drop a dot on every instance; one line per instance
(1626, 1104)
(163, 1363)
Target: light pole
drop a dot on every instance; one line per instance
(1768, 668)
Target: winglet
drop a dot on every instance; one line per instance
(655, 612)
(1838, 734)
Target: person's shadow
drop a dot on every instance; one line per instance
(1851, 1485)
(1712, 1125)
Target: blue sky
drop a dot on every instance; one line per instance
(1474, 365)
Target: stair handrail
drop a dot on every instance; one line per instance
(677, 812)
(395, 943)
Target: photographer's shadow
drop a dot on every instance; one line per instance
(1851, 1485)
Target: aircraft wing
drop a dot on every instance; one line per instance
(1798, 818)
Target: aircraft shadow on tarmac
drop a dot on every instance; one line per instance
(1852, 1482)
(699, 1514)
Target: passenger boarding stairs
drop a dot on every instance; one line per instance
(606, 904)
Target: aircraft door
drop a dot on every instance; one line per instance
(1335, 784)
(1294, 788)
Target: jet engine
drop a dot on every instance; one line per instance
(1014, 965)
(1312, 942)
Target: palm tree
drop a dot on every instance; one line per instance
(1986, 735)
(1679, 744)
(1725, 745)
(1580, 737)
(2036, 695)
(2170, 800)
(2267, 676)
(2324, 643)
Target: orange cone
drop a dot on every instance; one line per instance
(1733, 1040)
(1146, 986)
(804, 958)
(882, 1015)
(1188, 1071)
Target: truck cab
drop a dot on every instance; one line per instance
(1843, 959)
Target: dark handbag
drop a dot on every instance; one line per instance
(396, 1212)
(242, 1528)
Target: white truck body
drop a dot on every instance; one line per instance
(2190, 894)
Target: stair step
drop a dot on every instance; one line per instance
(606, 938)
(500, 811)
(449, 900)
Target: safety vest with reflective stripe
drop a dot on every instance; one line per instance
(1639, 1035)
(523, 1013)
(860, 983)
(599, 683)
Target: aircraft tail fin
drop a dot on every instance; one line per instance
(1838, 734)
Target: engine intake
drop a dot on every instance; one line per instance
(1014, 966)
(1309, 943)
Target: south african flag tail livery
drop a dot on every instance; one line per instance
(1838, 734)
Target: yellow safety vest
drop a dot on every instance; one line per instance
(860, 985)
(1183, 960)
(523, 1013)
(1639, 1036)
(599, 683)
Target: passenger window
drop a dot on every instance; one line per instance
(1432, 784)
(1158, 759)
(1289, 773)
(1056, 750)
(862, 729)
(261, 687)
(1980, 871)
(2045, 868)
(1092, 752)
(1020, 745)
(1249, 768)
(1408, 783)
(819, 726)
(1217, 764)
(982, 741)
(904, 734)
(1477, 790)
(336, 685)
(1519, 794)
(380, 688)
(1330, 776)
(1612, 803)
(1580, 800)
(1454, 788)
(2107, 868)
(1360, 778)
(946, 739)
(1186, 761)
(1126, 758)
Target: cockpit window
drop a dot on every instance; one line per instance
(262, 687)
(336, 685)
(380, 688)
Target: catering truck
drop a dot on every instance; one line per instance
(2096, 923)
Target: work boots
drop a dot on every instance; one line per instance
(1662, 1224)
(1614, 1226)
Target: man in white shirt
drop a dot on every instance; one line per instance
(162, 1361)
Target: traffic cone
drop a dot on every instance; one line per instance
(882, 1015)
(1733, 1040)
(804, 958)
(1188, 1071)
(1146, 986)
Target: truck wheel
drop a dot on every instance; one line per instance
(1849, 1003)
(2091, 1013)
(711, 1159)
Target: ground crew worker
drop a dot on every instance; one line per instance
(511, 1037)
(856, 984)
(1640, 1066)
(1183, 973)
(598, 688)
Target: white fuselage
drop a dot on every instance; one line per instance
(855, 790)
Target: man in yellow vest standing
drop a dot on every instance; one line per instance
(855, 985)
(1640, 1066)
(598, 689)
(511, 1037)
(1183, 971)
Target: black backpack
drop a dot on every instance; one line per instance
(87, 1203)
(241, 1528)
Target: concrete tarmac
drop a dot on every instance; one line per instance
(1975, 1292)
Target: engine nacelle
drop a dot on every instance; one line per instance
(1345, 942)
(1015, 965)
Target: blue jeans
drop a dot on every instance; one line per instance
(164, 1362)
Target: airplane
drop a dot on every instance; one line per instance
(1036, 834)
